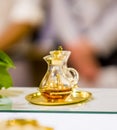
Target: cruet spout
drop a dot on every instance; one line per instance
(48, 59)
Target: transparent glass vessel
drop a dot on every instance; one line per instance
(59, 80)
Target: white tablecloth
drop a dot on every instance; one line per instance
(103, 100)
(66, 121)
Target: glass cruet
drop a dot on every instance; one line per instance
(59, 80)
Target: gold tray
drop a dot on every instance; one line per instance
(75, 97)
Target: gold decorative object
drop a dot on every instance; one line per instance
(58, 86)
(22, 124)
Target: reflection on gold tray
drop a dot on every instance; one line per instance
(75, 97)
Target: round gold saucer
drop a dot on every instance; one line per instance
(75, 97)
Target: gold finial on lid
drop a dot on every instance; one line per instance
(60, 48)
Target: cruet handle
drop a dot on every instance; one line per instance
(74, 74)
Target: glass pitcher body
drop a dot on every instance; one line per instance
(59, 80)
